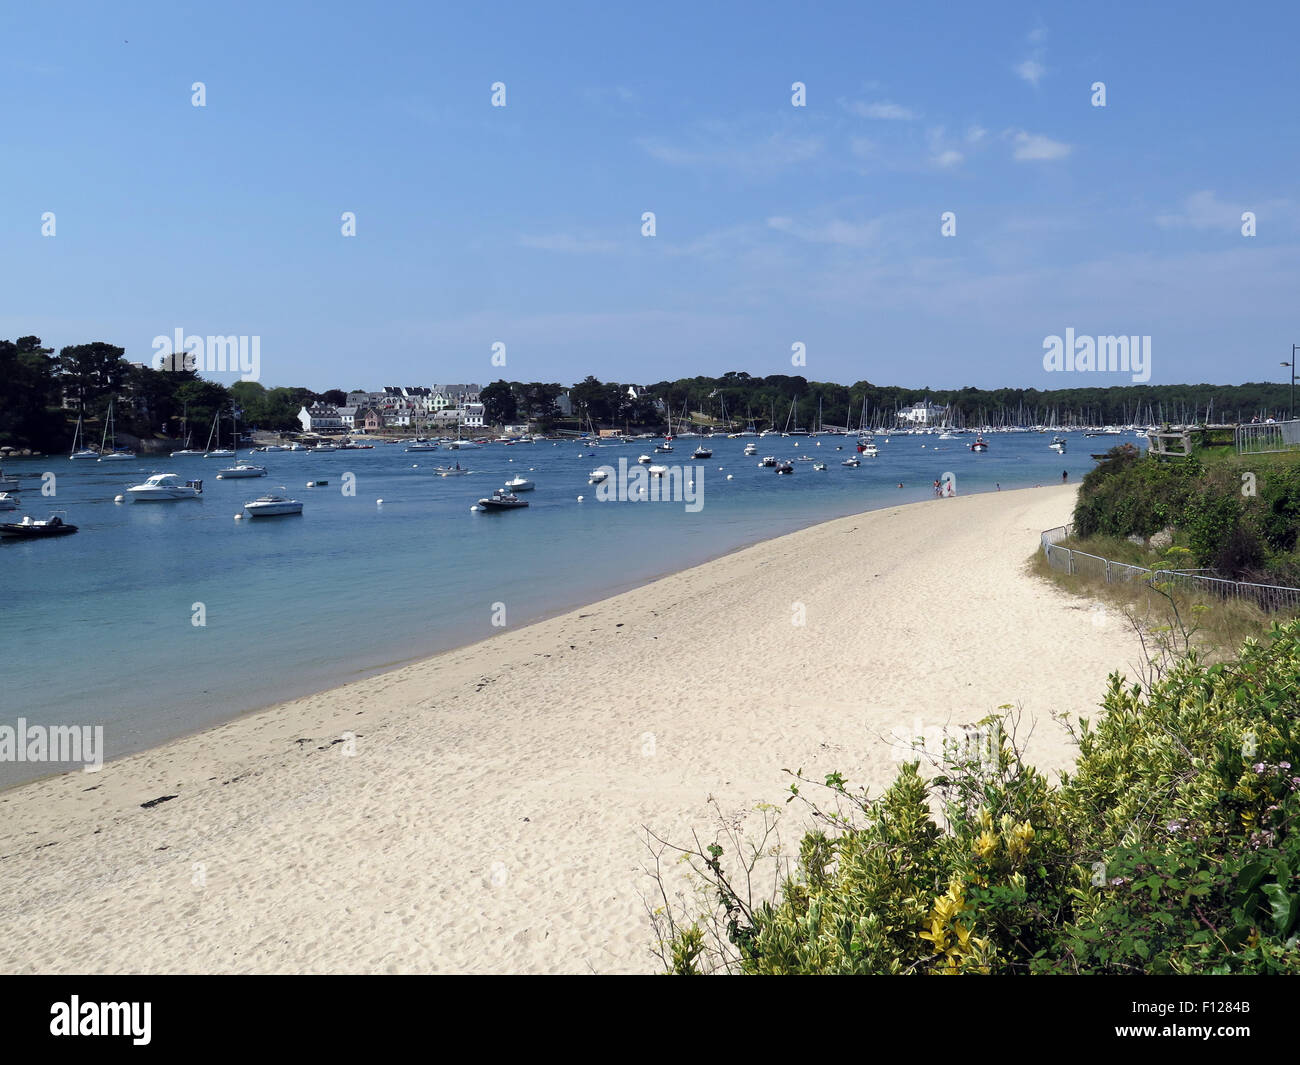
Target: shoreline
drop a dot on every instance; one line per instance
(487, 820)
(362, 673)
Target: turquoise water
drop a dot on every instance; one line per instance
(98, 627)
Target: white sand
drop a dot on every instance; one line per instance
(489, 819)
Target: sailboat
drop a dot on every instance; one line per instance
(113, 455)
(185, 422)
(219, 452)
(240, 469)
(84, 452)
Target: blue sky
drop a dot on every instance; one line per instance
(774, 224)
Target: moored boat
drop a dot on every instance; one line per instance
(272, 507)
(27, 529)
(163, 487)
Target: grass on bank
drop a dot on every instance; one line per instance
(1215, 627)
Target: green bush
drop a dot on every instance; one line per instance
(1170, 848)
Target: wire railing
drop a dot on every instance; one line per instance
(1261, 438)
(1270, 597)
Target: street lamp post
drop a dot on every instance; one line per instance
(1291, 364)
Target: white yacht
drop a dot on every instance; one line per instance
(520, 484)
(82, 452)
(597, 476)
(751, 449)
(645, 460)
(272, 506)
(244, 469)
(870, 451)
(658, 471)
(162, 487)
(8, 502)
(107, 454)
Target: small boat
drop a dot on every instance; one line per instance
(272, 507)
(520, 484)
(268, 449)
(162, 487)
(751, 449)
(868, 451)
(645, 460)
(82, 452)
(820, 466)
(319, 448)
(502, 500)
(702, 452)
(8, 484)
(658, 471)
(242, 470)
(184, 452)
(768, 461)
(785, 467)
(8, 502)
(663, 448)
(1058, 444)
(597, 476)
(450, 471)
(423, 445)
(35, 530)
(852, 461)
(980, 444)
(113, 454)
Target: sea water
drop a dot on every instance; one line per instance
(103, 628)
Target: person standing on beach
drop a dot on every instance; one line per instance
(1065, 476)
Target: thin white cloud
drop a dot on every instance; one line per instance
(1033, 147)
(1032, 71)
(975, 134)
(834, 231)
(948, 157)
(568, 243)
(713, 149)
(1032, 67)
(881, 109)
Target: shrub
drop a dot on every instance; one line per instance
(1170, 848)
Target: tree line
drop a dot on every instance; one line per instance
(34, 381)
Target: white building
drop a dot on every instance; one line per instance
(320, 418)
(920, 414)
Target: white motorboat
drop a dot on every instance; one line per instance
(502, 500)
(520, 484)
(658, 471)
(422, 445)
(645, 460)
(8, 502)
(321, 448)
(870, 451)
(768, 461)
(242, 470)
(113, 454)
(751, 449)
(272, 506)
(852, 461)
(163, 487)
(270, 448)
(819, 466)
(1058, 444)
(597, 476)
(980, 443)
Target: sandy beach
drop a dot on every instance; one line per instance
(486, 815)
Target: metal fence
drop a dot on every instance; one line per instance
(1261, 438)
(1271, 597)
